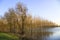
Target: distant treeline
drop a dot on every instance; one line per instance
(18, 20)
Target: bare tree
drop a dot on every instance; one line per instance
(11, 19)
(21, 11)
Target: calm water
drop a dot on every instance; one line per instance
(55, 33)
(48, 33)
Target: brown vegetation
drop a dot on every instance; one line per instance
(18, 21)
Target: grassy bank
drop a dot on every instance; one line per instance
(5, 36)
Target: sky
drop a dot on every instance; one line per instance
(46, 9)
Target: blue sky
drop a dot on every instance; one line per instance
(47, 9)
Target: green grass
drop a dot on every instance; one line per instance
(5, 36)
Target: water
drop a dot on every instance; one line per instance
(46, 33)
(55, 33)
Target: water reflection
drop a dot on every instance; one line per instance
(55, 35)
(46, 33)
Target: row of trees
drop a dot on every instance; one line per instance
(17, 20)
